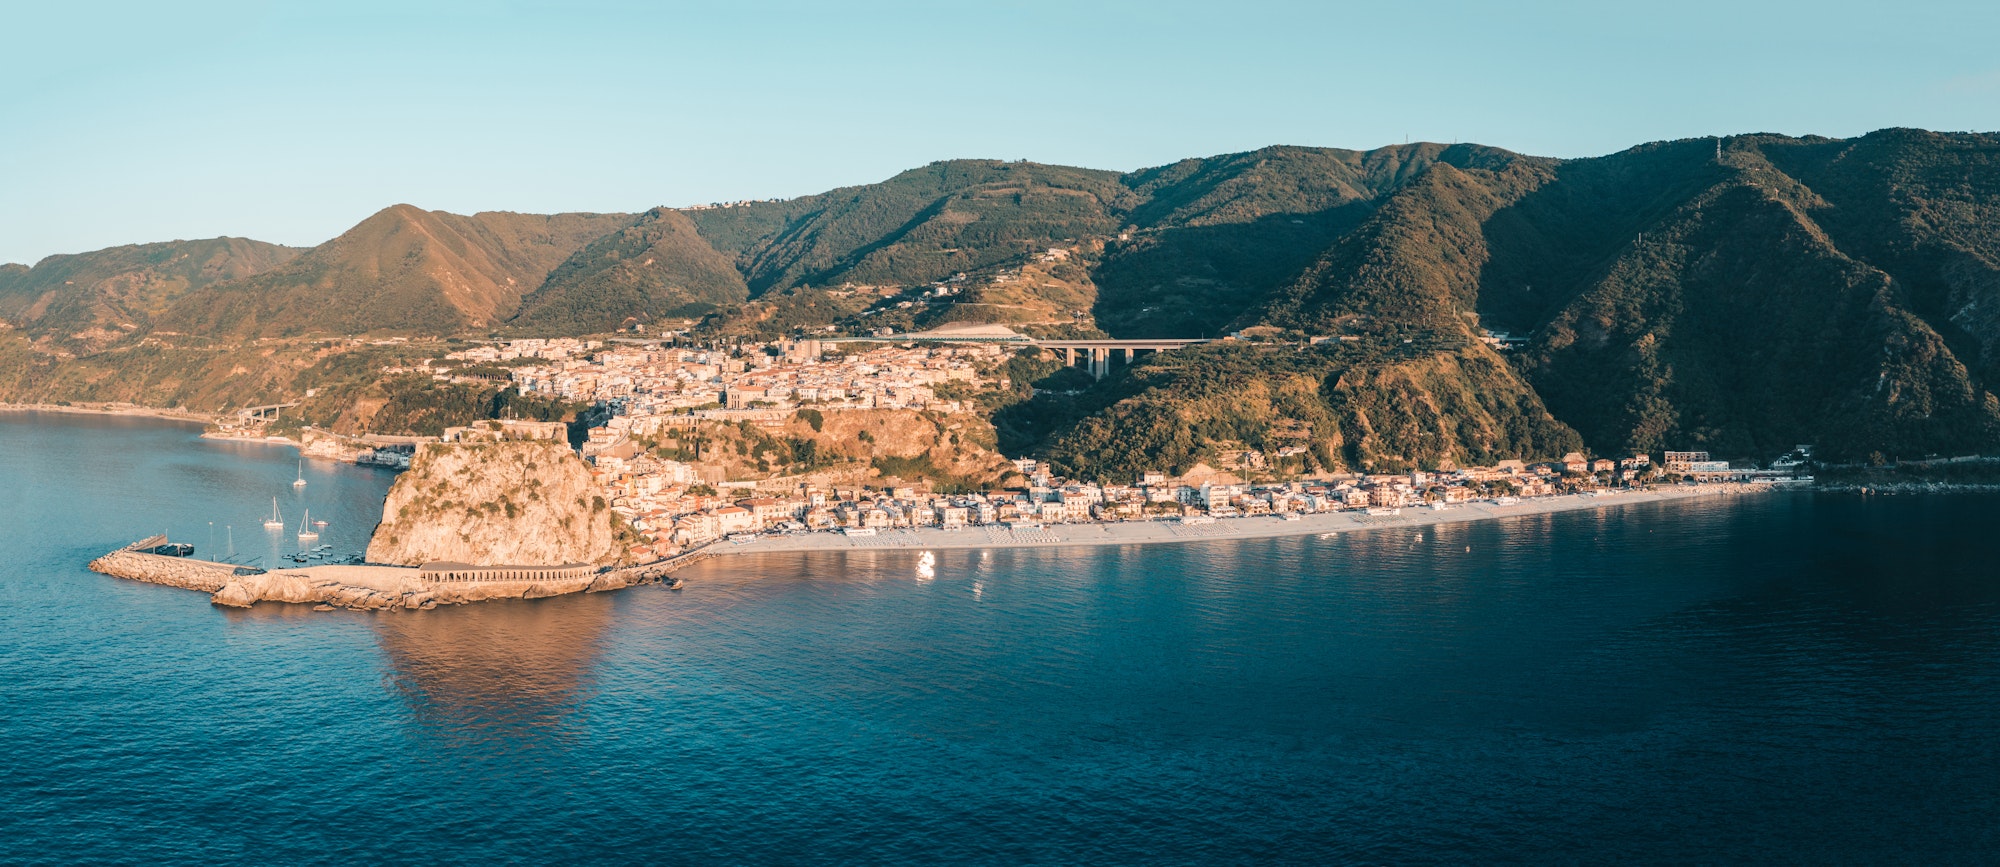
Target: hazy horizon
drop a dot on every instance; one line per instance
(289, 126)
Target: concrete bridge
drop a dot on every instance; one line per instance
(1098, 352)
(259, 412)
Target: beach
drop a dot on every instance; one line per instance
(1173, 530)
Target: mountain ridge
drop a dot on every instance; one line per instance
(1740, 293)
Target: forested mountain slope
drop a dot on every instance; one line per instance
(84, 301)
(404, 270)
(657, 268)
(1739, 295)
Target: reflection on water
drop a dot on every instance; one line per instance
(496, 669)
(1788, 678)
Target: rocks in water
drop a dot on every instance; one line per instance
(234, 595)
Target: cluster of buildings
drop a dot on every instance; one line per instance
(683, 520)
(640, 388)
(642, 381)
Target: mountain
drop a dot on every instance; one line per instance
(83, 301)
(1680, 299)
(927, 224)
(1740, 295)
(404, 270)
(1213, 236)
(660, 266)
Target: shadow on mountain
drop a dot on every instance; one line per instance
(1193, 281)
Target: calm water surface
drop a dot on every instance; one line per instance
(1793, 677)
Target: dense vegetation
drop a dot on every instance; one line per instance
(1740, 296)
(402, 271)
(657, 268)
(1376, 404)
(88, 300)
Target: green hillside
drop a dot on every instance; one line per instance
(1212, 237)
(85, 301)
(930, 223)
(403, 271)
(1742, 299)
(659, 267)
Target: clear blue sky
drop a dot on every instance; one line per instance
(134, 122)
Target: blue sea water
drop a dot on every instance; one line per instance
(1793, 677)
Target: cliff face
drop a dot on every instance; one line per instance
(520, 503)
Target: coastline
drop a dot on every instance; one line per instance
(1169, 531)
(115, 409)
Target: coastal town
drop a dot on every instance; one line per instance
(639, 390)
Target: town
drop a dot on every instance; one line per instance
(640, 389)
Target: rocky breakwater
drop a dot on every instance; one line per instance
(187, 574)
(241, 587)
(371, 587)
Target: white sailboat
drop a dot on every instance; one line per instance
(276, 521)
(300, 482)
(306, 530)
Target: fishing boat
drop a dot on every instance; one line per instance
(276, 521)
(305, 527)
(300, 482)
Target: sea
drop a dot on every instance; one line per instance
(1792, 677)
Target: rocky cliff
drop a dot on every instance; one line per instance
(513, 503)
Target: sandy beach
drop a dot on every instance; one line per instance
(1166, 531)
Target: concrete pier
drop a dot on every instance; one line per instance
(361, 587)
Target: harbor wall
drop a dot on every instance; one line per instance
(360, 587)
(189, 574)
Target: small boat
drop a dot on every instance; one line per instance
(306, 532)
(276, 521)
(300, 482)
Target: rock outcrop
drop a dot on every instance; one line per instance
(487, 504)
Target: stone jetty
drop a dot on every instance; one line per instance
(356, 587)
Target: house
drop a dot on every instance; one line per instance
(1678, 462)
(696, 529)
(766, 511)
(1574, 462)
(735, 519)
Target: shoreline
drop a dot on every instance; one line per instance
(1170, 531)
(120, 410)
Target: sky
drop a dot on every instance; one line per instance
(289, 122)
